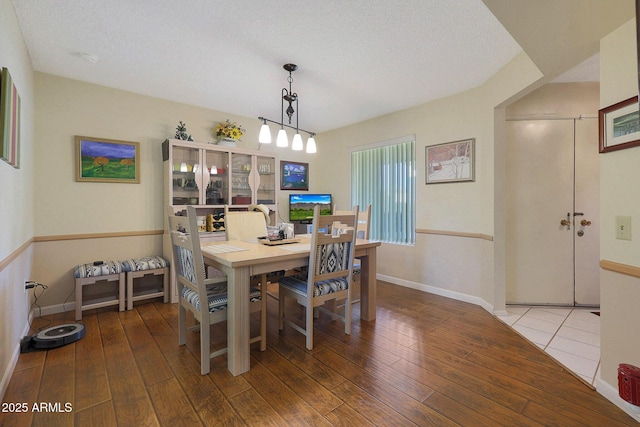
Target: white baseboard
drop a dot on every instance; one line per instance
(611, 394)
(8, 373)
(53, 309)
(439, 291)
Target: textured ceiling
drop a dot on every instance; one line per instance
(357, 59)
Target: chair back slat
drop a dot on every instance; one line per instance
(187, 253)
(331, 255)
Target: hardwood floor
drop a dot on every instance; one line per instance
(426, 360)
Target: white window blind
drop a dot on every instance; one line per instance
(384, 176)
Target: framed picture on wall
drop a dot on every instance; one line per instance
(619, 126)
(450, 162)
(9, 120)
(294, 175)
(107, 160)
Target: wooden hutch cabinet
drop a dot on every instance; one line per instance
(208, 177)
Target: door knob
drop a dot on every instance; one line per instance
(585, 223)
(565, 222)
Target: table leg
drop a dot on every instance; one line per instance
(238, 320)
(368, 285)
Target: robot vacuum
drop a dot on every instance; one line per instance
(53, 337)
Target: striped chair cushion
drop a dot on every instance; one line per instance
(144, 263)
(298, 284)
(104, 269)
(217, 297)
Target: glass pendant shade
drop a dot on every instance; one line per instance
(297, 142)
(282, 140)
(311, 145)
(265, 134)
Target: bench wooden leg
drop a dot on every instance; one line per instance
(81, 282)
(78, 299)
(131, 275)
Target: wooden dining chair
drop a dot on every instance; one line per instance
(364, 222)
(330, 272)
(244, 225)
(193, 289)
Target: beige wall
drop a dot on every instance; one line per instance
(620, 186)
(451, 265)
(71, 209)
(65, 108)
(16, 200)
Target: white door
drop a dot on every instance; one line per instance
(549, 183)
(587, 201)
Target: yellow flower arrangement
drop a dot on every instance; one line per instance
(229, 130)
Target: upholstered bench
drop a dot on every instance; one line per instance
(89, 274)
(140, 267)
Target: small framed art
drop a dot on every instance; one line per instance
(619, 126)
(9, 120)
(294, 175)
(107, 160)
(450, 162)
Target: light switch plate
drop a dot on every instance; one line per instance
(623, 227)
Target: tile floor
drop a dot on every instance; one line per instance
(570, 335)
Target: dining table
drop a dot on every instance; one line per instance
(240, 259)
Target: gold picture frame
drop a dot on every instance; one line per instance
(107, 160)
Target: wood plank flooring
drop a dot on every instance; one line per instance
(425, 361)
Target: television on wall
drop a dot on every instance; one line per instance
(301, 206)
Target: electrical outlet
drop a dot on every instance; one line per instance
(29, 284)
(623, 227)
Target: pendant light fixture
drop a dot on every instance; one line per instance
(283, 140)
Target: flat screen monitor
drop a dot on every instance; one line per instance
(301, 206)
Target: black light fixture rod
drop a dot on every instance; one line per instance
(287, 126)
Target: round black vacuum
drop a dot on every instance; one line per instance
(53, 337)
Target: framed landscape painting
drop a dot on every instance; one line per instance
(294, 175)
(450, 162)
(107, 160)
(9, 120)
(619, 126)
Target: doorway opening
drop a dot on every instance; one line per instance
(552, 197)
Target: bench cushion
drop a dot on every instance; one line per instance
(144, 263)
(105, 269)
